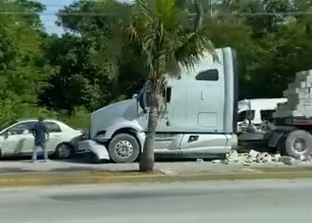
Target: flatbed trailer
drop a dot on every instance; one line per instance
(292, 136)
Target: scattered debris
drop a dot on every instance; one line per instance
(287, 160)
(199, 160)
(167, 172)
(232, 156)
(277, 158)
(264, 158)
(217, 161)
(304, 158)
(253, 156)
(248, 158)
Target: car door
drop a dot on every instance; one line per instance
(55, 135)
(19, 139)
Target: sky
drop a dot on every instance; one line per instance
(52, 6)
(48, 17)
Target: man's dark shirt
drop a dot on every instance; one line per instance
(40, 131)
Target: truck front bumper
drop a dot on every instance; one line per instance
(91, 146)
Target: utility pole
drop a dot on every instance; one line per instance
(210, 8)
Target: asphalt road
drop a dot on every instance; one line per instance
(256, 201)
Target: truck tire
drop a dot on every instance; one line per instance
(298, 144)
(124, 148)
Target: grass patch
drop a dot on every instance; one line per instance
(98, 177)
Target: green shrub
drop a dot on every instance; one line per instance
(79, 119)
(16, 110)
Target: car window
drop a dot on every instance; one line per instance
(245, 115)
(21, 128)
(267, 114)
(250, 114)
(241, 116)
(7, 124)
(53, 127)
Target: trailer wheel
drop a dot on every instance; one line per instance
(124, 148)
(298, 143)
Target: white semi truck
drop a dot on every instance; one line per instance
(199, 120)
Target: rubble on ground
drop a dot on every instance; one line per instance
(255, 157)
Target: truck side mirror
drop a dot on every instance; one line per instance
(168, 95)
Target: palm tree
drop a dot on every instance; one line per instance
(165, 35)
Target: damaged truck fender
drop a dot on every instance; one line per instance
(119, 127)
(97, 149)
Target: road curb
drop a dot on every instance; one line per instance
(98, 177)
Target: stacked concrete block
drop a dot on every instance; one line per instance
(299, 97)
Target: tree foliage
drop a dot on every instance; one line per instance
(91, 65)
(23, 72)
(165, 35)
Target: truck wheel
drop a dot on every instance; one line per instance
(124, 148)
(298, 143)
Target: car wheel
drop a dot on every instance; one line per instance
(64, 151)
(298, 143)
(124, 148)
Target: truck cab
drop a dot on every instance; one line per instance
(199, 118)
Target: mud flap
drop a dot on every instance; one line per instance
(98, 149)
(274, 139)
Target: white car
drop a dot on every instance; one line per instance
(16, 138)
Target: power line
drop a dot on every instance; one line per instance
(57, 13)
(269, 13)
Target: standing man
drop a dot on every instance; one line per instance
(41, 134)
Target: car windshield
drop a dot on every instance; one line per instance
(245, 115)
(7, 124)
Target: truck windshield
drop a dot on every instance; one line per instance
(144, 96)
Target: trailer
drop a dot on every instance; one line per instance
(292, 137)
(292, 134)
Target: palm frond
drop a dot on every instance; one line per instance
(142, 10)
(173, 66)
(193, 46)
(157, 30)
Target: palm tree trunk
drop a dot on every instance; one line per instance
(147, 158)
